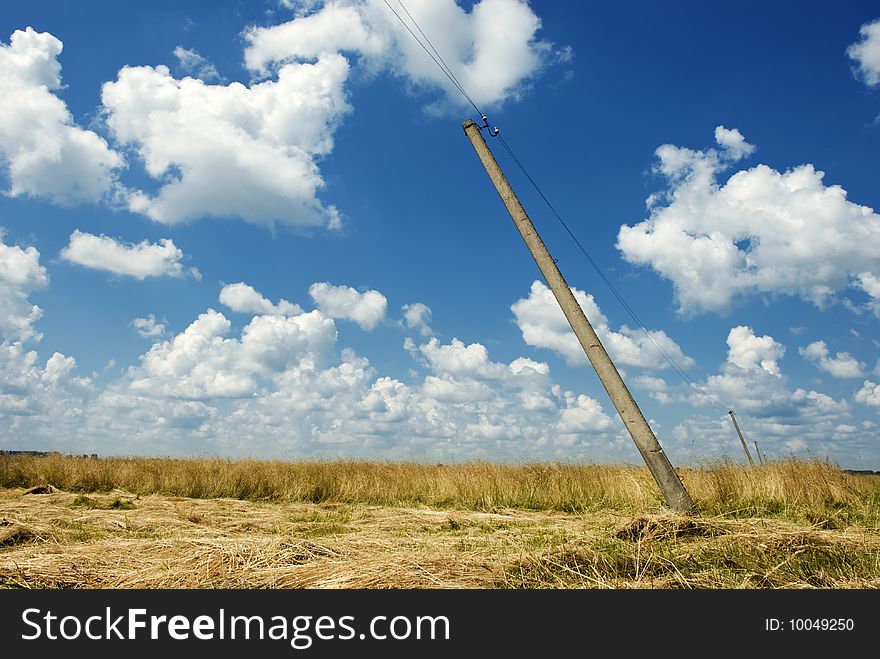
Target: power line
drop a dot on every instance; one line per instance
(444, 67)
(669, 359)
(438, 60)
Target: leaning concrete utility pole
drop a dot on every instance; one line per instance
(742, 441)
(671, 487)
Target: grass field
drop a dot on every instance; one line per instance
(77, 522)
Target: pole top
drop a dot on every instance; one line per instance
(467, 124)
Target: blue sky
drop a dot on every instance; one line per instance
(258, 229)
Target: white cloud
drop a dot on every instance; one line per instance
(283, 387)
(869, 394)
(50, 394)
(450, 390)
(733, 142)
(252, 151)
(866, 53)
(584, 415)
(497, 36)
(526, 366)
(785, 420)
(508, 399)
(366, 309)
(37, 400)
(193, 63)
(280, 389)
(842, 365)
(196, 364)
(243, 298)
(231, 151)
(749, 351)
(148, 327)
(752, 382)
(762, 231)
(458, 359)
(416, 317)
(656, 387)
(543, 325)
(335, 27)
(43, 151)
(871, 285)
(299, 7)
(20, 274)
(145, 259)
(201, 364)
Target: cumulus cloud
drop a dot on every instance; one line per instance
(842, 365)
(866, 53)
(148, 327)
(201, 363)
(243, 298)
(416, 317)
(733, 143)
(657, 388)
(869, 394)
(145, 259)
(44, 396)
(20, 274)
(44, 153)
(193, 63)
(871, 285)
(786, 420)
(763, 231)
(752, 382)
(543, 325)
(231, 151)
(748, 351)
(29, 388)
(337, 26)
(464, 373)
(583, 415)
(249, 151)
(456, 358)
(48, 393)
(493, 50)
(280, 387)
(367, 309)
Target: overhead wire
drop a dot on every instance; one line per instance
(438, 60)
(679, 370)
(434, 54)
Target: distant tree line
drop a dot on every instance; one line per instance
(42, 453)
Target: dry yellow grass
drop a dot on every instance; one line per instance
(795, 487)
(374, 525)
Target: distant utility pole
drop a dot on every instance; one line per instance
(671, 487)
(742, 441)
(758, 451)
